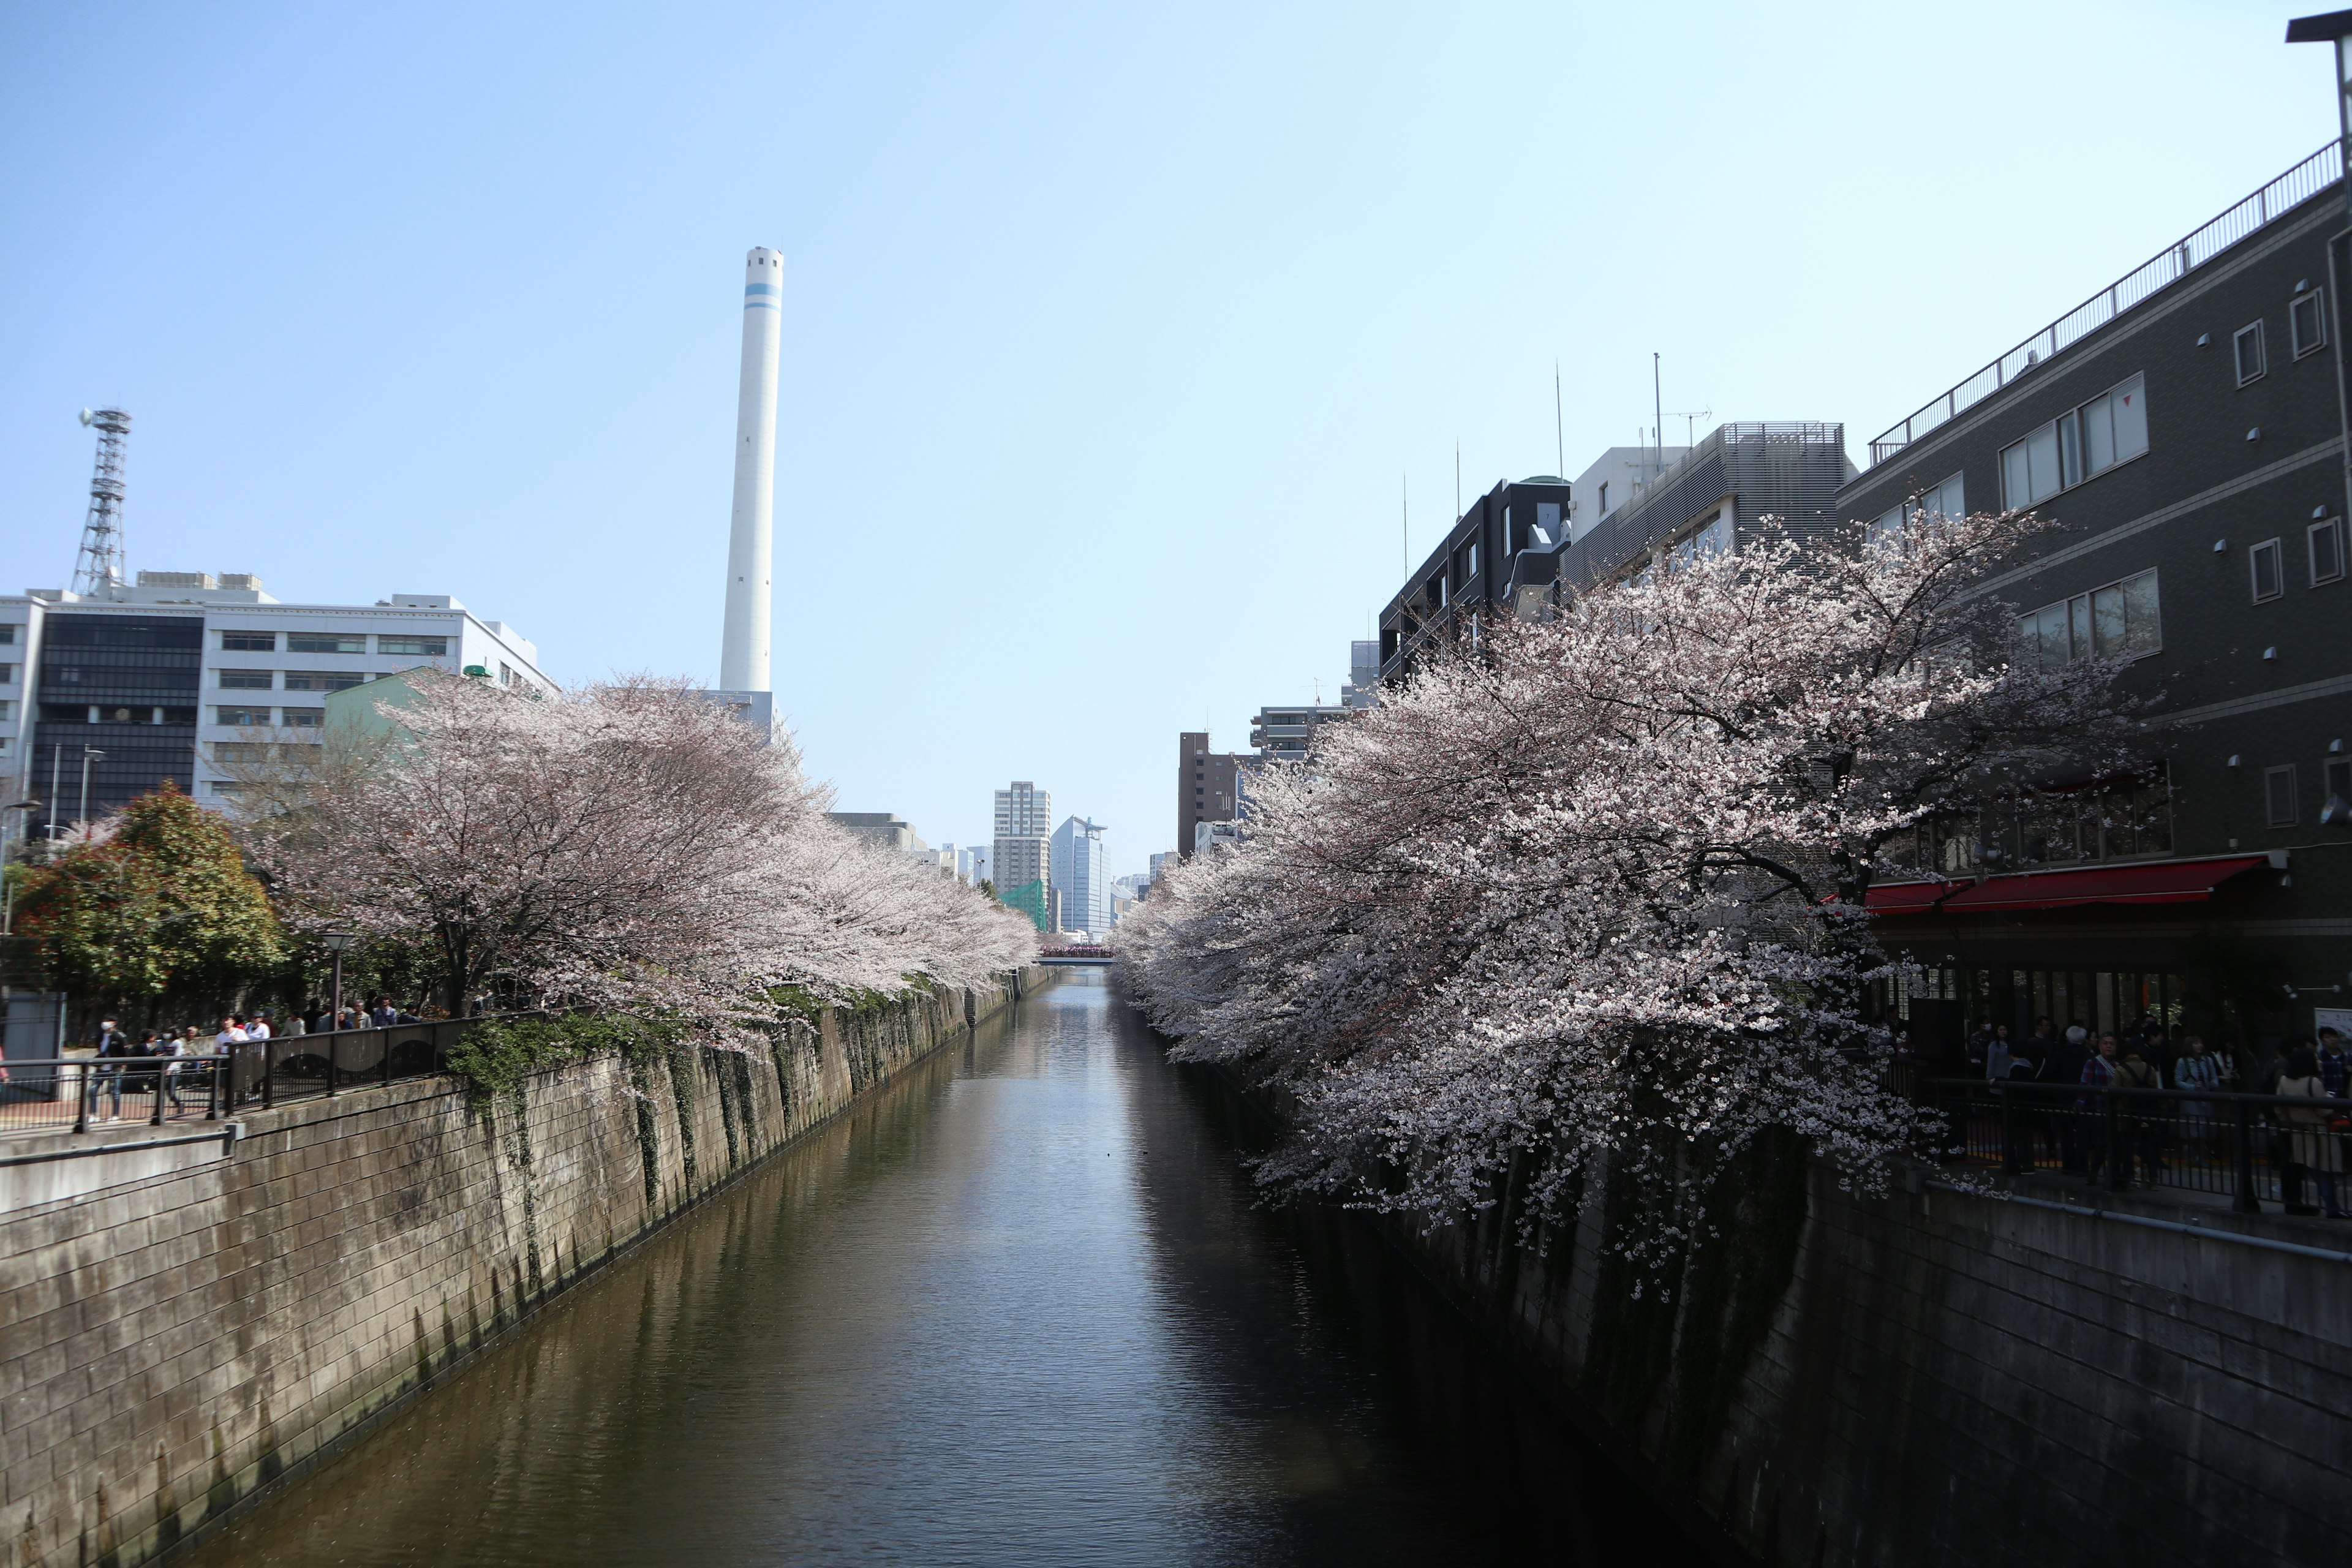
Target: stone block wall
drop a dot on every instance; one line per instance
(173, 1340)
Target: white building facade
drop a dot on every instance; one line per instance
(1081, 877)
(152, 680)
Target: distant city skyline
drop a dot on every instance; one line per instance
(1104, 311)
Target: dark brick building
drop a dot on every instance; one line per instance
(2187, 428)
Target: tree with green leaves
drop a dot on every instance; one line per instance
(155, 907)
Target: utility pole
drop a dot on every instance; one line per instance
(1658, 407)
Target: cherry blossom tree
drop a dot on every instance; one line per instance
(1592, 893)
(624, 848)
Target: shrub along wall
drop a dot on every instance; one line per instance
(171, 1344)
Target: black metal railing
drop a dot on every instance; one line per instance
(2251, 1149)
(60, 1094)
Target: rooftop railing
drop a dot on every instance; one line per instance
(2168, 267)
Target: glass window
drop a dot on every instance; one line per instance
(2263, 562)
(244, 680)
(2249, 342)
(2336, 782)
(1548, 522)
(241, 717)
(305, 718)
(325, 642)
(2119, 620)
(2128, 404)
(7, 636)
(2307, 323)
(249, 642)
(430, 648)
(2326, 550)
(1605, 497)
(323, 679)
(2278, 791)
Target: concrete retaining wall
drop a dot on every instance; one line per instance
(175, 1340)
(1934, 1379)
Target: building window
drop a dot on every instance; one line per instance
(8, 674)
(241, 717)
(2265, 561)
(2076, 446)
(244, 680)
(429, 647)
(2307, 323)
(224, 786)
(7, 636)
(1946, 500)
(2252, 362)
(249, 642)
(325, 642)
(2336, 780)
(2326, 550)
(7, 711)
(1605, 497)
(323, 679)
(1547, 523)
(305, 718)
(2278, 791)
(2120, 620)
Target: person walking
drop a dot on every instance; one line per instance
(2143, 1119)
(1999, 1059)
(2196, 1071)
(167, 1050)
(2064, 1065)
(2311, 1146)
(2098, 1073)
(105, 1076)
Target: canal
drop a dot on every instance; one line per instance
(1019, 1307)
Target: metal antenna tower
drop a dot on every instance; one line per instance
(99, 568)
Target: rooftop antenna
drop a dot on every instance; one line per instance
(1559, 428)
(1690, 419)
(98, 570)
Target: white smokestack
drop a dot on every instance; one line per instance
(751, 538)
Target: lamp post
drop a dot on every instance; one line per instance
(335, 941)
(88, 754)
(2332, 28)
(2335, 27)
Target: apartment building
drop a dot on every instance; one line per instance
(1208, 788)
(1021, 857)
(169, 679)
(2186, 425)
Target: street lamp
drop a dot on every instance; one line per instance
(88, 754)
(334, 942)
(2334, 27)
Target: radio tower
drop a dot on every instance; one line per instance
(97, 571)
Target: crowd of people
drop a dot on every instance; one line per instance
(172, 1063)
(2306, 1142)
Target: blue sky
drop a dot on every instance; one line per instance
(1108, 333)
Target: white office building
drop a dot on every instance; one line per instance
(150, 682)
(1081, 877)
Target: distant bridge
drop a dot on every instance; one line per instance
(1096, 957)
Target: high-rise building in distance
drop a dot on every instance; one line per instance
(1021, 857)
(1080, 875)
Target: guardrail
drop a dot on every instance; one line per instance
(2168, 267)
(59, 1094)
(2252, 1149)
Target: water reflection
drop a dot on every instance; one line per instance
(1018, 1310)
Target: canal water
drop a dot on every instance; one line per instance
(1021, 1308)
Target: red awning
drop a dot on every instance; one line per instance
(2149, 882)
(1906, 897)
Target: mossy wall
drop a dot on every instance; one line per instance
(171, 1346)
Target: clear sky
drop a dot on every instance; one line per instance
(1109, 332)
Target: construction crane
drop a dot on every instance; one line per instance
(97, 571)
